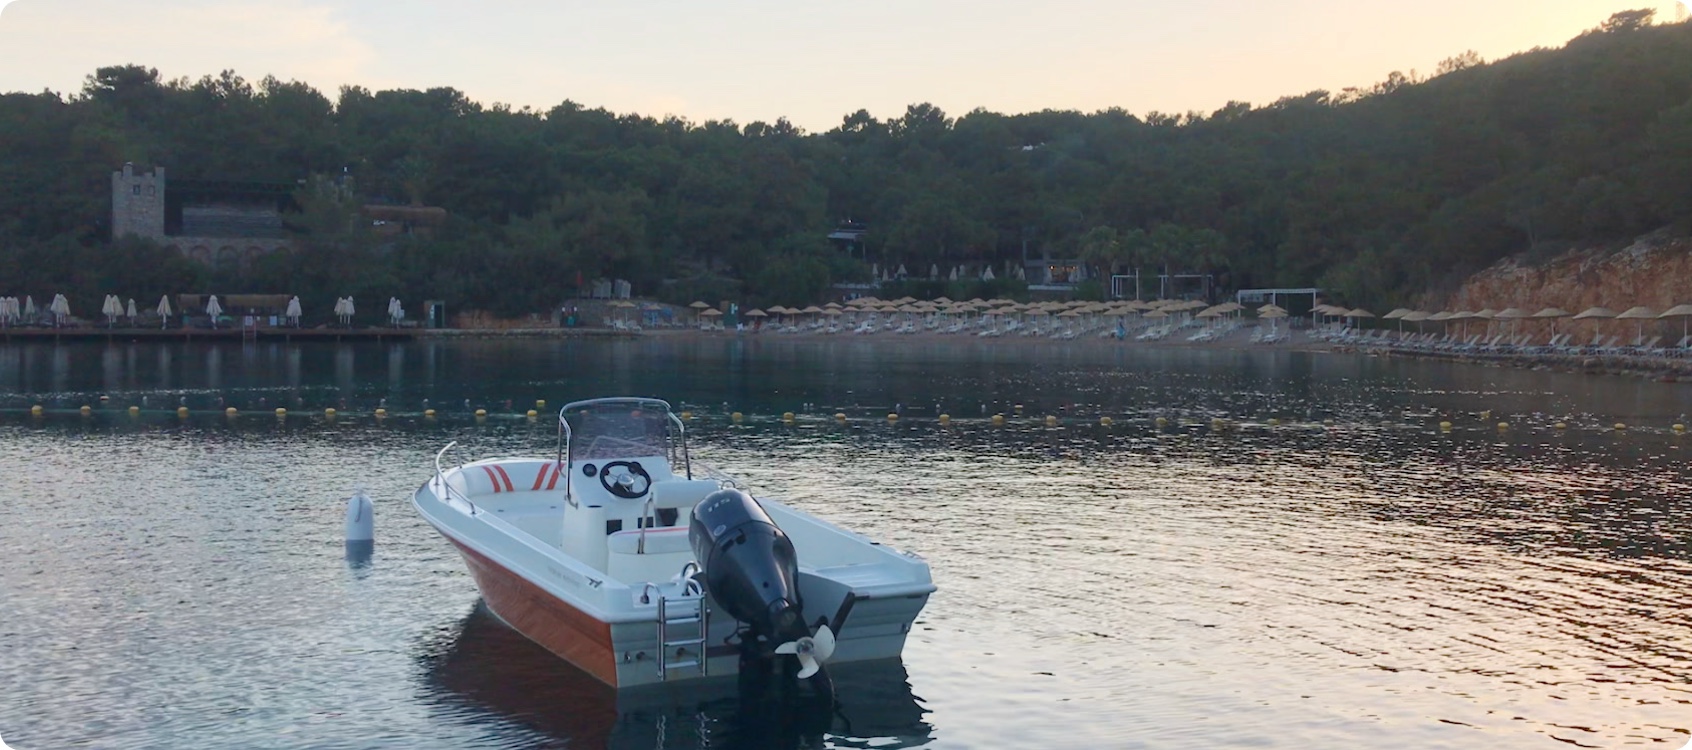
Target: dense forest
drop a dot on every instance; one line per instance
(1375, 193)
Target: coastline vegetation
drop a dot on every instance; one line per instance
(1377, 193)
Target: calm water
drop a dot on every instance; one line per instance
(1371, 581)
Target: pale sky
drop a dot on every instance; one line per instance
(812, 62)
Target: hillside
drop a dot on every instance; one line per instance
(1379, 194)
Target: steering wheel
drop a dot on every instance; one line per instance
(624, 484)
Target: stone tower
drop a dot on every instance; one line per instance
(138, 203)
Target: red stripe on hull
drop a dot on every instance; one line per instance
(558, 627)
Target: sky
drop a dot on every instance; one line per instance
(812, 62)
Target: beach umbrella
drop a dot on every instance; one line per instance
(350, 310)
(1551, 314)
(699, 305)
(987, 275)
(294, 311)
(1357, 314)
(60, 309)
(110, 308)
(129, 310)
(1595, 312)
(1640, 314)
(712, 313)
(1397, 313)
(164, 311)
(934, 271)
(756, 314)
(29, 310)
(213, 309)
(1683, 312)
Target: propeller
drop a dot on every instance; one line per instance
(811, 650)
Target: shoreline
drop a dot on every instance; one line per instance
(1655, 368)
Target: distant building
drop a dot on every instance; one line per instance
(849, 236)
(220, 223)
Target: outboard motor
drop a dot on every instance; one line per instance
(752, 571)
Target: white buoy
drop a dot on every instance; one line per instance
(361, 528)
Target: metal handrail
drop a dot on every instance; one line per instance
(440, 476)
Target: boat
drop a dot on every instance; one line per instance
(622, 557)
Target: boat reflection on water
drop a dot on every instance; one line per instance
(484, 673)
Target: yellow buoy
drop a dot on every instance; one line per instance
(540, 403)
(35, 410)
(998, 419)
(1446, 426)
(86, 410)
(1217, 424)
(1106, 421)
(1679, 427)
(945, 419)
(1486, 414)
(687, 416)
(182, 411)
(229, 411)
(1503, 425)
(737, 416)
(381, 413)
(481, 413)
(840, 416)
(329, 412)
(1019, 410)
(787, 416)
(892, 417)
(1051, 421)
(281, 412)
(532, 414)
(1561, 425)
(429, 413)
(1620, 426)
(134, 410)
(1161, 422)
(1273, 422)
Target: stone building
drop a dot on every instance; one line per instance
(220, 223)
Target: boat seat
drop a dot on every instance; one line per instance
(481, 480)
(667, 551)
(661, 540)
(682, 494)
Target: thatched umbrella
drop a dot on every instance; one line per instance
(1640, 314)
(1552, 314)
(1683, 312)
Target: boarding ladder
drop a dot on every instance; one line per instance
(688, 615)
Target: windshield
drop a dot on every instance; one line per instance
(619, 428)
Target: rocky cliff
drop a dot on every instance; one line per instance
(1655, 271)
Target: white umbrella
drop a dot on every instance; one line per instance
(29, 310)
(164, 311)
(294, 311)
(111, 308)
(129, 310)
(987, 275)
(60, 309)
(213, 309)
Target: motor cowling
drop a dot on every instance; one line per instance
(750, 567)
